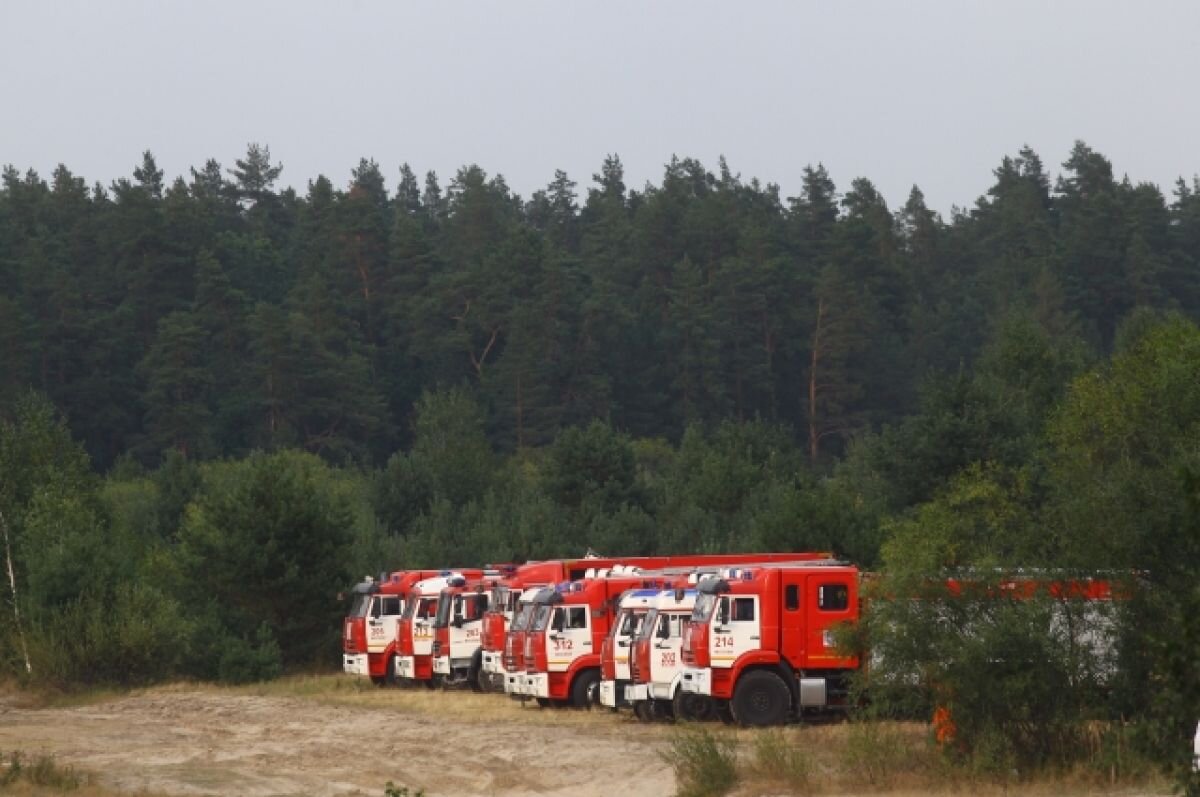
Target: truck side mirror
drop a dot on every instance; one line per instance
(557, 622)
(723, 611)
(664, 631)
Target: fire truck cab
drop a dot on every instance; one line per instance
(506, 595)
(458, 632)
(614, 653)
(369, 630)
(562, 646)
(514, 643)
(656, 661)
(415, 630)
(760, 642)
(503, 605)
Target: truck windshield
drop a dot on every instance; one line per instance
(629, 623)
(648, 623)
(541, 617)
(615, 630)
(425, 608)
(499, 600)
(522, 618)
(702, 612)
(358, 608)
(443, 611)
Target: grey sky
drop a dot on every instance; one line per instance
(933, 93)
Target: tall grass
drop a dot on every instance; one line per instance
(705, 762)
(40, 770)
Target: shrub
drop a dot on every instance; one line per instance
(779, 760)
(137, 636)
(42, 770)
(705, 763)
(244, 662)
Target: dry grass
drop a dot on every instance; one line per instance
(832, 759)
(464, 705)
(892, 758)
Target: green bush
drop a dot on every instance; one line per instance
(776, 759)
(705, 763)
(137, 636)
(877, 752)
(41, 770)
(242, 661)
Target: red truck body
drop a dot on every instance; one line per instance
(369, 630)
(760, 643)
(562, 645)
(503, 652)
(615, 652)
(415, 629)
(458, 632)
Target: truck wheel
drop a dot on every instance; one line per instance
(691, 707)
(585, 692)
(641, 710)
(661, 710)
(722, 711)
(543, 702)
(476, 675)
(761, 698)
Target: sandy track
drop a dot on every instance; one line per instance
(199, 741)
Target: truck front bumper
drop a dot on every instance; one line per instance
(355, 664)
(537, 684)
(697, 681)
(441, 665)
(406, 667)
(493, 663)
(608, 694)
(514, 683)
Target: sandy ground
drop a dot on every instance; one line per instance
(329, 735)
(192, 741)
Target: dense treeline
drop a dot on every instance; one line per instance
(220, 403)
(216, 315)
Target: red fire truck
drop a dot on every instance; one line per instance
(562, 645)
(501, 653)
(656, 661)
(503, 605)
(615, 652)
(369, 630)
(458, 632)
(514, 642)
(761, 644)
(414, 631)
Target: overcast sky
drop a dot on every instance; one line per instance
(932, 93)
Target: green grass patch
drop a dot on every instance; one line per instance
(704, 761)
(39, 770)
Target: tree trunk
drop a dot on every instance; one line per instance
(814, 437)
(12, 585)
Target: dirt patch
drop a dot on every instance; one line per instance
(199, 741)
(333, 735)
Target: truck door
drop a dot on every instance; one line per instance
(382, 617)
(569, 636)
(466, 624)
(735, 628)
(665, 659)
(791, 619)
(422, 626)
(831, 599)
